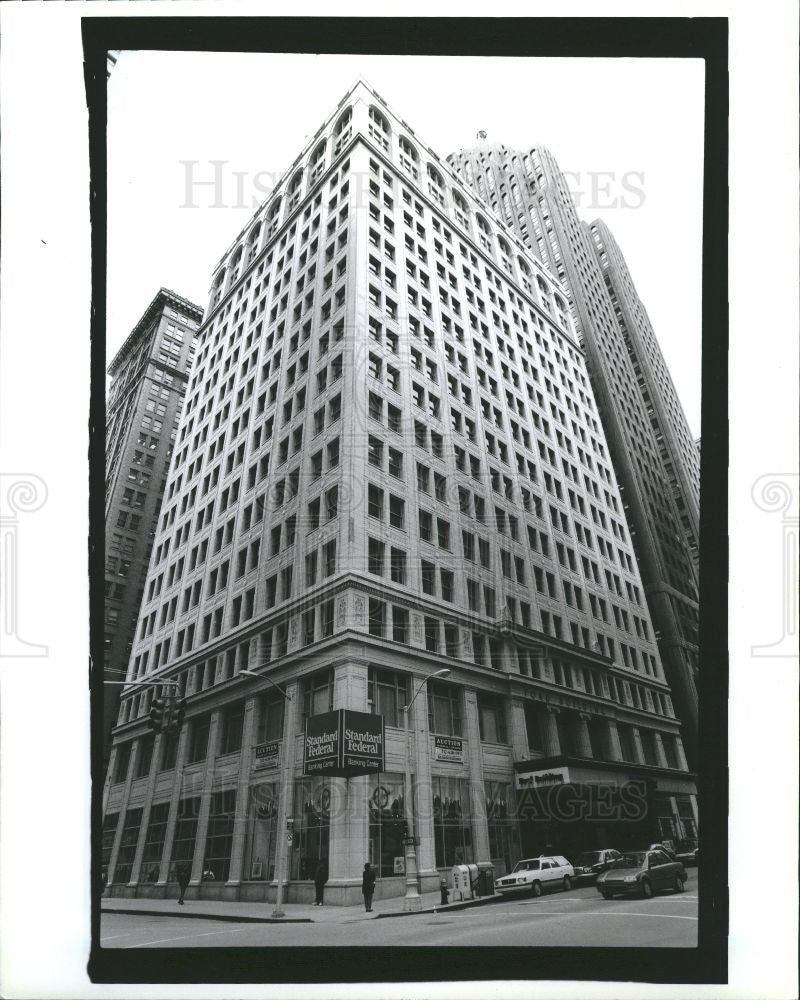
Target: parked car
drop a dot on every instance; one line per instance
(641, 873)
(589, 864)
(688, 852)
(534, 875)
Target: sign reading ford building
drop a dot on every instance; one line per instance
(343, 744)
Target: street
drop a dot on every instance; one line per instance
(578, 918)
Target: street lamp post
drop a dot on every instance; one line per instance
(286, 776)
(412, 900)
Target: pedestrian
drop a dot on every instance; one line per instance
(320, 878)
(368, 886)
(183, 875)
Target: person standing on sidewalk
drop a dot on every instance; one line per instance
(184, 875)
(368, 886)
(320, 878)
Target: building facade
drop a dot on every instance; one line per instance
(647, 433)
(390, 465)
(148, 374)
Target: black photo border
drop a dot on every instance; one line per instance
(645, 37)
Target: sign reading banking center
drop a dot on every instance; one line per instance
(343, 744)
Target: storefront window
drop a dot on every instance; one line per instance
(262, 829)
(504, 842)
(127, 849)
(388, 694)
(185, 834)
(219, 839)
(386, 824)
(154, 842)
(452, 822)
(312, 803)
(444, 709)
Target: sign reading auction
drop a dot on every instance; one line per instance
(343, 744)
(448, 748)
(266, 754)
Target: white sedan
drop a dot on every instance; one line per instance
(534, 875)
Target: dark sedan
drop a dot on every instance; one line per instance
(641, 873)
(589, 864)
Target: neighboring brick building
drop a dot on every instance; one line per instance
(389, 464)
(648, 436)
(148, 382)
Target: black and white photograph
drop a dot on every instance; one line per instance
(407, 474)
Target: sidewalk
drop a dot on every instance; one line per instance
(209, 909)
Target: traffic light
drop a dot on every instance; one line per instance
(178, 713)
(157, 714)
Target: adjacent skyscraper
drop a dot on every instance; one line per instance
(148, 382)
(391, 493)
(650, 444)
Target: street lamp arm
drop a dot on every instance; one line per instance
(263, 677)
(438, 673)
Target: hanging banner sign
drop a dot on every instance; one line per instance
(344, 744)
(266, 754)
(448, 748)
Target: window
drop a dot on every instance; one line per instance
(452, 821)
(198, 738)
(375, 551)
(491, 719)
(318, 693)
(388, 694)
(400, 631)
(444, 709)
(219, 839)
(127, 847)
(398, 566)
(154, 843)
(397, 509)
(377, 618)
(185, 834)
(231, 734)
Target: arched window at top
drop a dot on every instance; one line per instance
(293, 192)
(379, 130)
(273, 215)
(317, 162)
(505, 253)
(252, 241)
(235, 264)
(484, 233)
(525, 274)
(461, 209)
(435, 184)
(217, 287)
(544, 294)
(342, 130)
(409, 157)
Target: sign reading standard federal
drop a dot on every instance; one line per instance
(344, 744)
(362, 744)
(322, 745)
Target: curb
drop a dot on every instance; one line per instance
(447, 908)
(230, 917)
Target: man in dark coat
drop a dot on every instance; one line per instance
(183, 874)
(320, 878)
(368, 886)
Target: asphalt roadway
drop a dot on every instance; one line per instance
(579, 918)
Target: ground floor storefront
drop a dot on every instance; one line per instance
(568, 805)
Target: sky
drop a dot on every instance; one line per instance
(627, 132)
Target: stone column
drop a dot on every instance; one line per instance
(349, 823)
(112, 763)
(551, 744)
(517, 728)
(175, 795)
(123, 808)
(205, 799)
(148, 804)
(683, 763)
(422, 781)
(582, 740)
(661, 757)
(480, 828)
(291, 723)
(242, 793)
(637, 744)
(614, 746)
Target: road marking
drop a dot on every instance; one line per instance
(186, 937)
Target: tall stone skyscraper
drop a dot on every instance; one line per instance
(649, 440)
(149, 374)
(391, 493)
